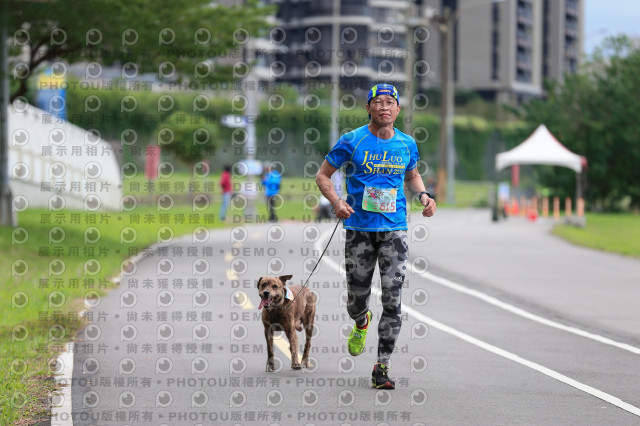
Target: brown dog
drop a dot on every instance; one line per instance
(287, 314)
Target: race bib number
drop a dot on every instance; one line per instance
(381, 200)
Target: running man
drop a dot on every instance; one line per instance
(379, 160)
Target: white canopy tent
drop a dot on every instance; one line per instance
(541, 148)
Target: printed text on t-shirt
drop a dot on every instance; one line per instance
(383, 162)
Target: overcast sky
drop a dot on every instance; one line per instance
(604, 18)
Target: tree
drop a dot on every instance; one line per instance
(594, 113)
(178, 40)
(188, 136)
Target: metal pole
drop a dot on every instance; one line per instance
(446, 150)
(252, 108)
(335, 89)
(7, 217)
(252, 115)
(410, 89)
(449, 112)
(335, 74)
(442, 180)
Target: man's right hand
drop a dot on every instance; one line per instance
(342, 209)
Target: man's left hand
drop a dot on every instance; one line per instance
(429, 206)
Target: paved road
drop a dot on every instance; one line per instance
(504, 324)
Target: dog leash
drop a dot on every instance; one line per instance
(316, 266)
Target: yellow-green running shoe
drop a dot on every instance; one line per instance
(358, 337)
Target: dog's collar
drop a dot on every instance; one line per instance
(288, 295)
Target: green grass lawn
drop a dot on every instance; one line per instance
(615, 233)
(181, 185)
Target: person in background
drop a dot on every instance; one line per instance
(226, 186)
(323, 211)
(271, 181)
(431, 187)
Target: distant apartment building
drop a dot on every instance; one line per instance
(505, 50)
(372, 45)
(563, 31)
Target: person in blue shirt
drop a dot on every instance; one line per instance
(271, 181)
(379, 160)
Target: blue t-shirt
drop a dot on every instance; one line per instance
(271, 183)
(375, 166)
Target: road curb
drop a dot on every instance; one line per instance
(61, 412)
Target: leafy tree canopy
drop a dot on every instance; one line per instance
(178, 40)
(595, 114)
(188, 136)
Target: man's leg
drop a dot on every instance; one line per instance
(393, 255)
(271, 201)
(393, 266)
(360, 263)
(226, 199)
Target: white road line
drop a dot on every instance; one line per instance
(61, 413)
(515, 310)
(498, 351)
(283, 345)
(525, 314)
(278, 340)
(525, 362)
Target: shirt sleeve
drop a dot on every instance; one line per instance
(414, 155)
(340, 153)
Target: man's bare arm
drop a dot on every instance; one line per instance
(323, 179)
(414, 182)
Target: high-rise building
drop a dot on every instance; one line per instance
(372, 43)
(506, 49)
(562, 44)
(503, 49)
